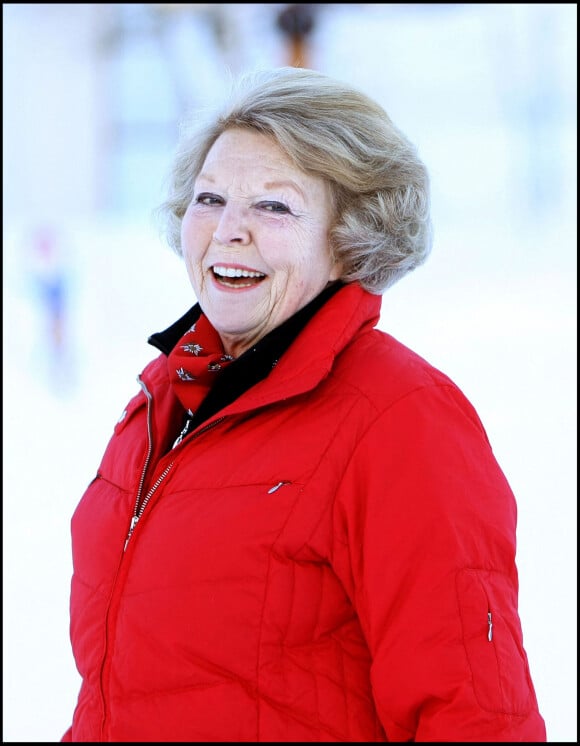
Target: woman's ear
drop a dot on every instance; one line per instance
(336, 268)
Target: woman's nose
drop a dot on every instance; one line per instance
(232, 226)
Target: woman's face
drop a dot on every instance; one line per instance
(255, 238)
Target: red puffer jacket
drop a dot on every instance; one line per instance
(329, 558)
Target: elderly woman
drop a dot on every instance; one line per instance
(298, 530)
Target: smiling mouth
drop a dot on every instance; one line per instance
(235, 277)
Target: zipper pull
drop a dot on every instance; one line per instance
(182, 434)
(277, 487)
(134, 520)
(489, 627)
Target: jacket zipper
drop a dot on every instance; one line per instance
(138, 509)
(140, 506)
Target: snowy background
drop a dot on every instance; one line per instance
(92, 94)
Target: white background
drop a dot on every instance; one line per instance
(488, 94)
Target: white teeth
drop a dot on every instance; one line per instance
(235, 272)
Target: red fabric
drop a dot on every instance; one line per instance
(195, 361)
(316, 562)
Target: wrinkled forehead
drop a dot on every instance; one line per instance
(257, 160)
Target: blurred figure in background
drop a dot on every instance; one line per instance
(48, 272)
(296, 23)
(298, 530)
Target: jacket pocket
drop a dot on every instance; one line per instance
(493, 641)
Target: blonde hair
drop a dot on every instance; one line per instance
(380, 187)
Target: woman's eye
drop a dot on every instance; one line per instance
(274, 207)
(208, 199)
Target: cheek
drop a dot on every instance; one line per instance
(295, 251)
(192, 240)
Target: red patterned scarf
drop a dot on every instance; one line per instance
(194, 363)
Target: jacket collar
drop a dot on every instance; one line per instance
(256, 363)
(309, 357)
(166, 340)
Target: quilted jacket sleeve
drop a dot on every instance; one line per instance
(426, 533)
